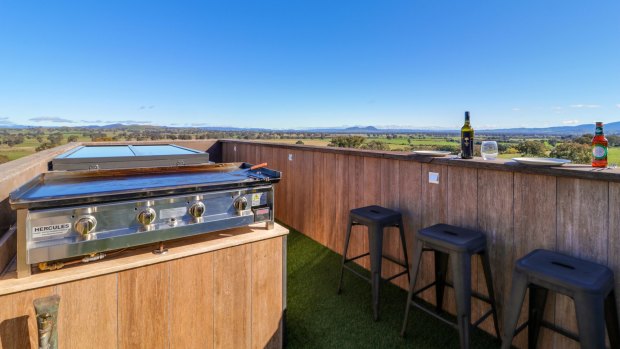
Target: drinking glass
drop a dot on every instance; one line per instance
(488, 149)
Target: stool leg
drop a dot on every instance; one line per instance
(401, 229)
(417, 260)
(488, 277)
(461, 268)
(517, 294)
(611, 318)
(590, 321)
(375, 240)
(344, 253)
(441, 270)
(538, 299)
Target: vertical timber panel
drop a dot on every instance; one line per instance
(410, 202)
(582, 232)
(315, 216)
(371, 194)
(191, 302)
(462, 211)
(143, 313)
(88, 313)
(18, 328)
(305, 185)
(267, 294)
(390, 198)
(434, 210)
(283, 208)
(359, 237)
(232, 297)
(534, 227)
(495, 219)
(226, 147)
(334, 199)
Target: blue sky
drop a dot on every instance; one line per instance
(311, 63)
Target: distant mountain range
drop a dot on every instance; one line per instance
(610, 128)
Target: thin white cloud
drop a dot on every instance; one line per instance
(132, 122)
(589, 106)
(51, 119)
(516, 109)
(4, 121)
(570, 122)
(617, 105)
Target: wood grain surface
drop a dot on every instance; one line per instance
(18, 325)
(267, 330)
(88, 313)
(191, 302)
(230, 297)
(232, 305)
(143, 311)
(583, 219)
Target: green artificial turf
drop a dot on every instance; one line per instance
(317, 317)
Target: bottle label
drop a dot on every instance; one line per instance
(599, 152)
(467, 144)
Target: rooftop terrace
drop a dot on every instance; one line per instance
(572, 209)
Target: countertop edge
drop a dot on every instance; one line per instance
(570, 170)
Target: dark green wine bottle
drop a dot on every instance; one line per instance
(467, 139)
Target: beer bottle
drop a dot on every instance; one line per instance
(599, 147)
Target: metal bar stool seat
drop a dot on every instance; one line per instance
(455, 246)
(376, 218)
(589, 284)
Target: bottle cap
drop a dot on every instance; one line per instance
(599, 123)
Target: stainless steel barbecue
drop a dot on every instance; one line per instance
(68, 214)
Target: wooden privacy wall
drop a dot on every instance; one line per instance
(518, 212)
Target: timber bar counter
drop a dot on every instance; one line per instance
(574, 210)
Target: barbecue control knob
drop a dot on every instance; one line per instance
(241, 203)
(146, 216)
(85, 225)
(197, 209)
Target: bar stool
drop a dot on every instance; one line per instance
(455, 245)
(376, 218)
(590, 285)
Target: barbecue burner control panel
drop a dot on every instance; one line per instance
(62, 233)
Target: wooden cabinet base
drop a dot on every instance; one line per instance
(231, 297)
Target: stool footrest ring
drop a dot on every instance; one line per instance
(441, 318)
(449, 284)
(396, 275)
(433, 314)
(395, 261)
(550, 326)
(357, 257)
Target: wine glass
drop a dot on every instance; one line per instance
(488, 149)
